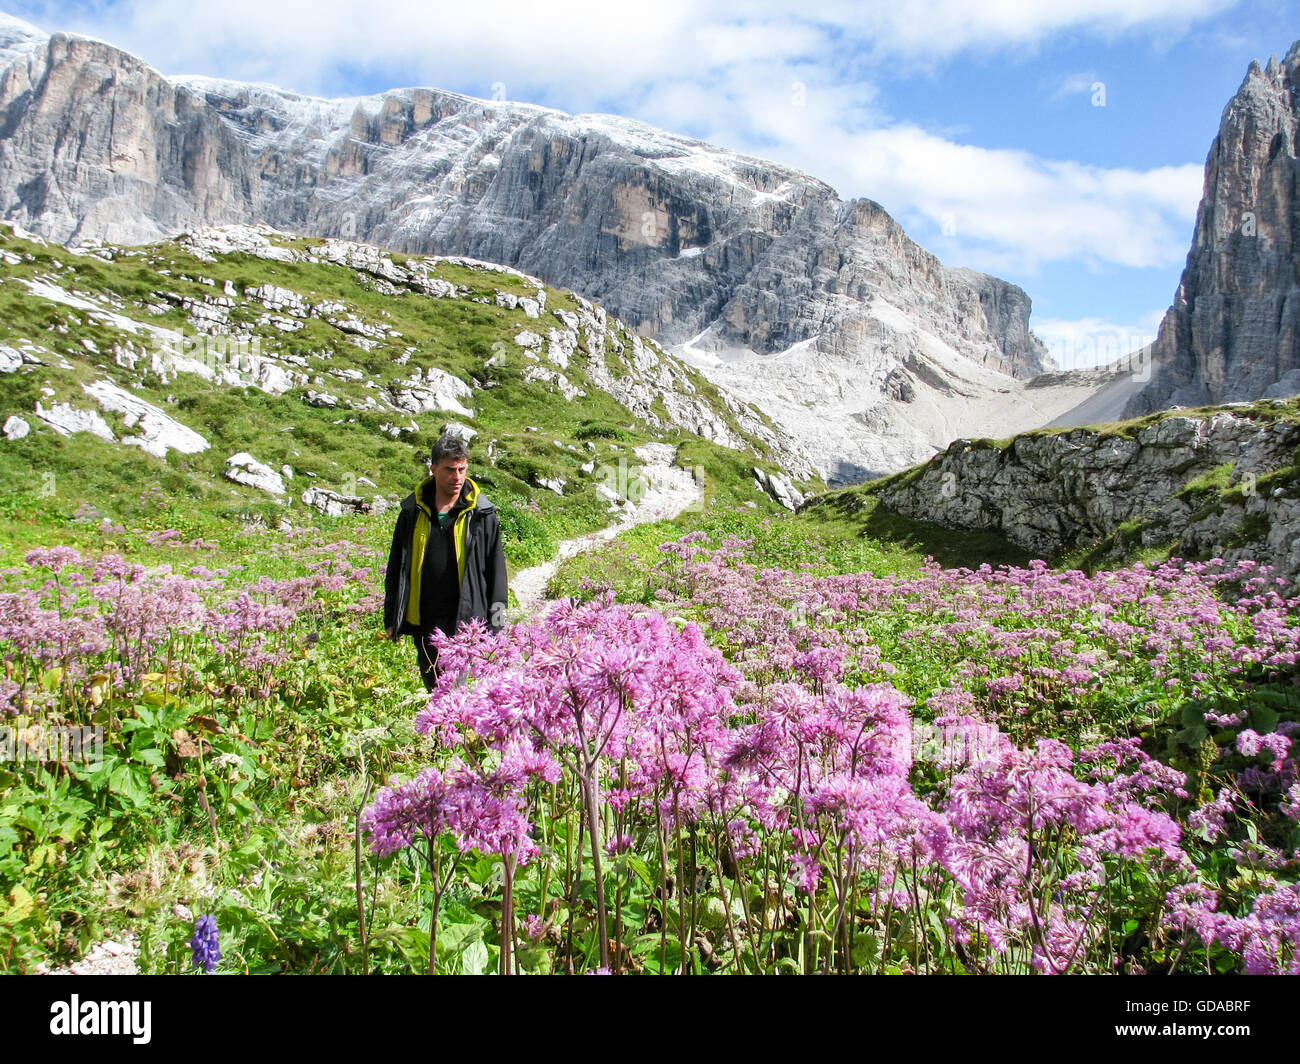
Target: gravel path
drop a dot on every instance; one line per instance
(668, 491)
(104, 958)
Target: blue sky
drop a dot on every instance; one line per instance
(1059, 144)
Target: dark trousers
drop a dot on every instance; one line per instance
(426, 657)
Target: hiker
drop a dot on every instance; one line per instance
(446, 564)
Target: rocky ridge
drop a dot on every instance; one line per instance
(653, 380)
(1215, 483)
(101, 336)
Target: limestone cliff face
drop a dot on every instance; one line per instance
(96, 145)
(1233, 332)
(704, 249)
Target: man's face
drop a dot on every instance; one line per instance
(450, 475)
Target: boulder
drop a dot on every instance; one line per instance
(243, 468)
(335, 504)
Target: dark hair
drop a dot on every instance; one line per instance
(448, 445)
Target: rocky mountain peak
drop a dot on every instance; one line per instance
(1233, 332)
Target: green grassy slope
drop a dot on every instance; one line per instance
(355, 335)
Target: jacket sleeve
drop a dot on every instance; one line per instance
(498, 593)
(392, 576)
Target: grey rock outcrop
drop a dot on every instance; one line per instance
(436, 390)
(779, 488)
(1065, 491)
(690, 244)
(1233, 332)
(65, 419)
(157, 432)
(464, 432)
(335, 504)
(243, 468)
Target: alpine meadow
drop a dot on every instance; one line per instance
(851, 630)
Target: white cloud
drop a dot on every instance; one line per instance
(996, 209)
(579, 45)
(942, 28)
(1085, 342)
(1074, 84)
(1031, 209)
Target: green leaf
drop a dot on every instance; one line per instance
(1264, 719)
(120, 777)
(648, 947)
(535, 961)
(151, 756)
(455, 938)
(70, 829)
(866, 950)
(411, 942)
(20, 906)
(33, 819)
(642, 871)
(484, 871)
(476, 960)
(90, 856)
(127, 781)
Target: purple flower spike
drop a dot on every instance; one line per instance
(207, 951)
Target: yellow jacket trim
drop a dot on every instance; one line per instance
(420, 536)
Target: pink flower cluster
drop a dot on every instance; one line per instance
(1011, 850)
(104, 615)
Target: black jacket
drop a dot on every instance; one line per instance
(483, 585)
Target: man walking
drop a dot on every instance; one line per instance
(446, 563)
